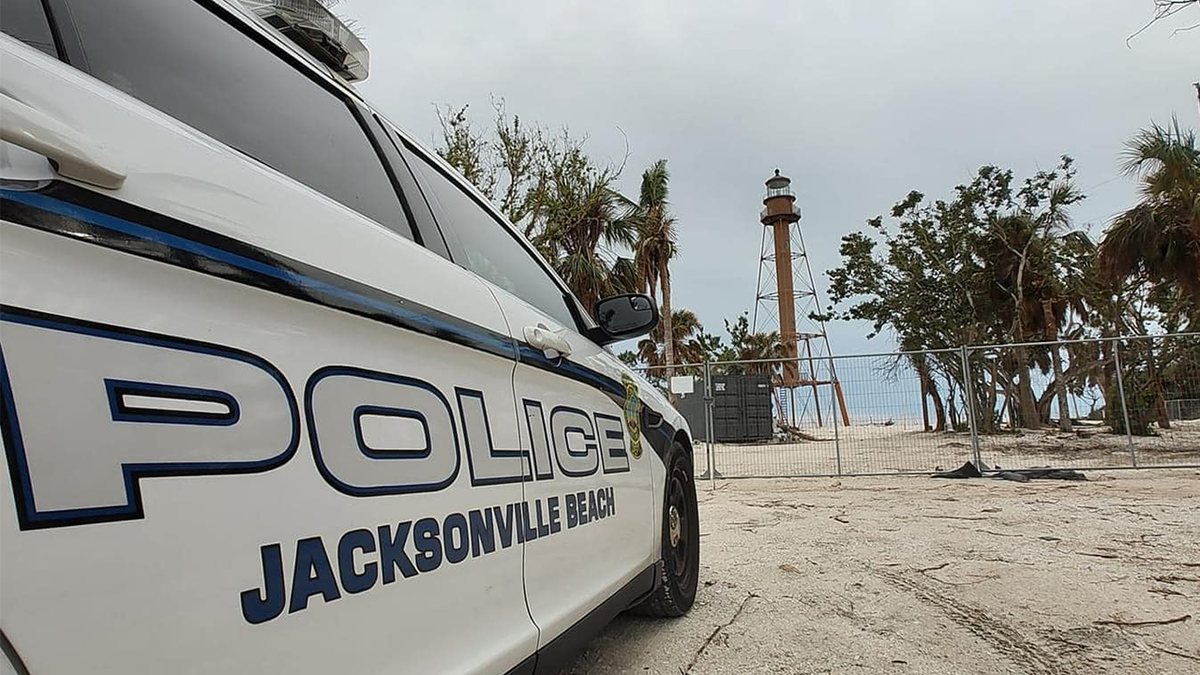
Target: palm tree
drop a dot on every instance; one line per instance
(655, 246)
(586, 221)
(760, 347)
(686, 343)
(746, 346)
(1160, 236)
(1025, 253)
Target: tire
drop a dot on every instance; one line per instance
(680, 569)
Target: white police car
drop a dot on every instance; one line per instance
(279, 393)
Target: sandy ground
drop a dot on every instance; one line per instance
(919, 575)
(878, 448)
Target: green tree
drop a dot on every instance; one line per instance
(655, 246)
(1157, 241)
(688, 342)
(467, 149)
(1160, 236)
(629, 358)
(748, 346)
(563, 201)
(581, 223)
(1026, 263)
(990, 261)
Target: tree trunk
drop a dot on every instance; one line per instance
(921, 366)
(649, 286)
(924, 406)
(1160, 401)
(939, 410)
(1027, 404)
(1060, 383)
(1045, 401)
(664, 275)
(950, 404)
(929, 387)
(985, 417)
(1010, 407)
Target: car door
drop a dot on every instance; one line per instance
(231, 371)
(591, 491)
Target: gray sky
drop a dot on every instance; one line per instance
(858, 102)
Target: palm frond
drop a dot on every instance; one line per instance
(1160, 236)
(1164, 157)
(655, 186)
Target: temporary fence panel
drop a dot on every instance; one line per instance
(1161, 373)
(1025, 388)
(1127, 402)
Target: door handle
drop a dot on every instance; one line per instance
(73, 155)
(552, 343)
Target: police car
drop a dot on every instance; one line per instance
(279, 391)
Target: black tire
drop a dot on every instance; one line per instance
(680, 569)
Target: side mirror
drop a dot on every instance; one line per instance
(622, 317)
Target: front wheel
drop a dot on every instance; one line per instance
(680, 540)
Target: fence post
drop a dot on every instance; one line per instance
(969, 392)
(1124, 405)
(708, 427)
(837, 439)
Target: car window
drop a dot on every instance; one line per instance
(26, 20)
(415, 205)
(491, 250)
(188, 62)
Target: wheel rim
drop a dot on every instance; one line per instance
(679, 528)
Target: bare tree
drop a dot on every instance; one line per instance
(1165, 9)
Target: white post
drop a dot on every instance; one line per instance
(968, 392)
(708, 426)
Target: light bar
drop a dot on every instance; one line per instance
(317, 31)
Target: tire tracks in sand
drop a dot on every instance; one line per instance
(1006, 640)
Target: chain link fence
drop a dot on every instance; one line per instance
(1122, 402)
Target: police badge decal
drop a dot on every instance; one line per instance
(633, 409)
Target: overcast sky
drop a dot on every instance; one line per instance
(859, 102)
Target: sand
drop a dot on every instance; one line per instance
(921, 575)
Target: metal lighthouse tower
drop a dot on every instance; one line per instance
(787, 294)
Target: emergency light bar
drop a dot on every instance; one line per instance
(317, 31)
